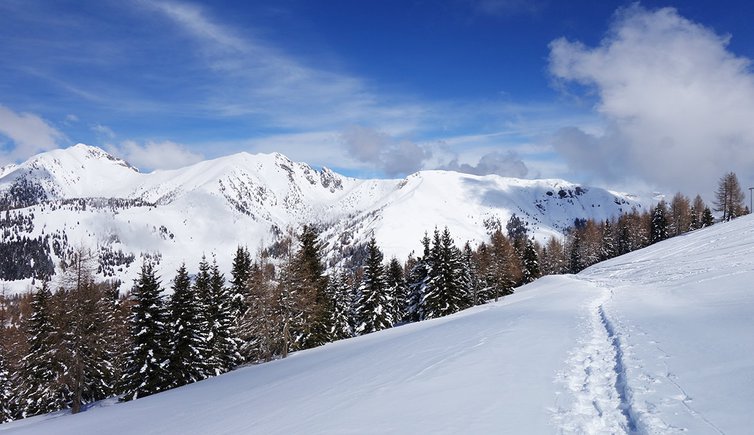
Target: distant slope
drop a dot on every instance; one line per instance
(84, 196)
(657, 341)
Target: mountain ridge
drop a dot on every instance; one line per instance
(86, 196)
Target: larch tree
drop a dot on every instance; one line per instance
(85, 339)
(729, 197)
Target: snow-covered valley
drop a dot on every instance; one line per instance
(657, 341)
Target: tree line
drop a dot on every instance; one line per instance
(84, 341)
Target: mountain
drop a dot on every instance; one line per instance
(83, 196)
(657, 341)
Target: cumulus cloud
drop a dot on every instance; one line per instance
(28, 133)
(155, 155)
(383, 152)
(506, 164)
(678, 104)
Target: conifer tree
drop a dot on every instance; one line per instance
(225, 342)
(609, 248)
(146, 369)
(418, 279)
(373, 305)
(40, 389)
(470, 276)
(707, 219)
(530, 262)
(445, 292)
(659, 230)
(186, 339)
(339, 292)
(553, 261)
(207, 307)
(7, 411)
(239, 280)
(397, 289)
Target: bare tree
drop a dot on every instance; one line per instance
(729, 198)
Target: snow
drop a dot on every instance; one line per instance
(213, 206)
(654, 342)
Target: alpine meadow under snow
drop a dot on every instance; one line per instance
(656, 341)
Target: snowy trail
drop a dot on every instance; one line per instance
(599, 401)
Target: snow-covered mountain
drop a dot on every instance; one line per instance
(657, 341)
(84, 196)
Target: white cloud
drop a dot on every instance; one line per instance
(507, 164)
(104, 130)
(28, 133)
(678, 104)
(384, 153)
(155, 155)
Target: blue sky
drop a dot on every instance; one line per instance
(613, 93)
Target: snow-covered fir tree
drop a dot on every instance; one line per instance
(470, 275)
(40, 387)
(7, 411)
(239, 281)
(445, 293)
(419, 277)
(373, 308)
(186, 339)
(530, 262)
(659, 231)
(339, 292)
(146, 370)
(225, 341)
(397, 289)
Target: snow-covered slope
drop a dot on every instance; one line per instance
(215, 205)
(654, 342)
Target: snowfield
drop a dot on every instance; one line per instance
(211, 207)
(655, 342)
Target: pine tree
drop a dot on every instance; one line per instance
(530, 262)
(659, 230)
(609, 248)
(470, 276)
(445, 292)
(186, 340)
(339, 293)
(40, 389)
(397, 289)
(373, 306)
(707, 219)
(225, 342)
(146, 369)
(239, 281)
(206, 308)
(6, 394)
(417, 282)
